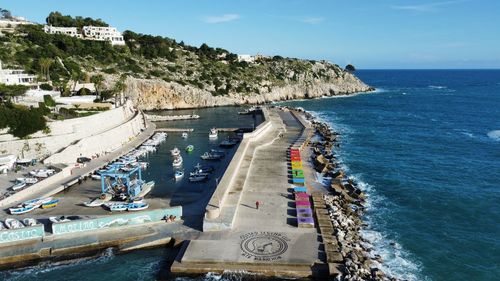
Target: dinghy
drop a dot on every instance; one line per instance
(18, 185)
(178, 175)
(13, 223)
(190, 148)
(177, 161)
(213, 133)
(29, 222)
(175, 152)
(184, 135)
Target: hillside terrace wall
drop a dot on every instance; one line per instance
(63, 133)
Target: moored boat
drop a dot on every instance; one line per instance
(190, 148)
(228, 143)
(198, 178)
(11, 223)
(177, 161)
(22, 209)
(205, 169)
(51, 204)
(29, 222)
(30, 180)
(95, 177)
(211, 156)
(213, 133)
(184, 135)
(178, 175)
(19, 185)
(175, 152)
(58, 219)
(117, 207)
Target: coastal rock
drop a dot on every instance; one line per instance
(151, 94)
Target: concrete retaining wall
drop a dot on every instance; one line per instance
(114, 221)
(222, 190)
(63, 133)
(8, 236)
(99, 144)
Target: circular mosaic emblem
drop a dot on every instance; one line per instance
(264, 245)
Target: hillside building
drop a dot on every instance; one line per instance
(101, 33)
(16, 77)
(69, 31)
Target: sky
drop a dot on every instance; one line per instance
(370, 34)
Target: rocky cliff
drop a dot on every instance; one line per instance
(151, 94)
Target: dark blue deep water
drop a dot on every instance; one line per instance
(425, 147)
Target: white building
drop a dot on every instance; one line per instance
(102, 33)
(8, 25)
(16, 77)
(246, 58)
(70, 31)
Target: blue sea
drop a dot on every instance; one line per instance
(425, 147)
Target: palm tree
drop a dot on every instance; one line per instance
(119, 88)
(45, 64)
(97, 80)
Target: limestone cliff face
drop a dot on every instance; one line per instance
(150, 94)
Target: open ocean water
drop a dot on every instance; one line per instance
(425, 147)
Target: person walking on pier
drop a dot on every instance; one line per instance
(257, 203)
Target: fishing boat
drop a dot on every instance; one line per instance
(51, 204)
(205, 169)
(146, 188)
(177, 161)
(119, 207)
(198, 173)
(217, 151)
(213, 133)
(178, 175)
(228, 143)
(37, 202)
(184, 135)
(190, 148)
(211, 156)
(137, 206)
(13, 223)
(22, 209)
(19, 185)
(29, 222)
(175, 152)
(198, 178)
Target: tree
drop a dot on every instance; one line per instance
(119, 88)
(6, 14)
(350, 68)
(45, 64)
(98, 81)
(9, 91)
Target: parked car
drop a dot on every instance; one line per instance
(82, 160)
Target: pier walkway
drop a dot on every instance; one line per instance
(263, 240)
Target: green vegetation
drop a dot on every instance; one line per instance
(49, 101)
(63, 58)
(22, 121)
(9, 91)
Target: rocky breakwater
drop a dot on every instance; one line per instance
(151, 94)
(350, 254)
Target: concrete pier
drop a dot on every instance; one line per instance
(265, 240)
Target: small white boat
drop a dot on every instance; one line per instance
(175, 152)
(29, 222)
(177, 161)
(37, 202)
(184, 135)
(31, 180)
(13, 223)
(144, 165)
(22, 209)
(95, 177)
(137, 206)
(19, 185)
(58, 219)
(213, 133)
(146, 188)
(178, 175)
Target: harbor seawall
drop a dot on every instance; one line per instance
(221, 192)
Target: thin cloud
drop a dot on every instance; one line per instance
(429, 7)
(313, 20)
(222, 18)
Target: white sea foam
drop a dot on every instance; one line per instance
(46, 267)
(494, 135)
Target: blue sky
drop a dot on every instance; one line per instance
(366, 33)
